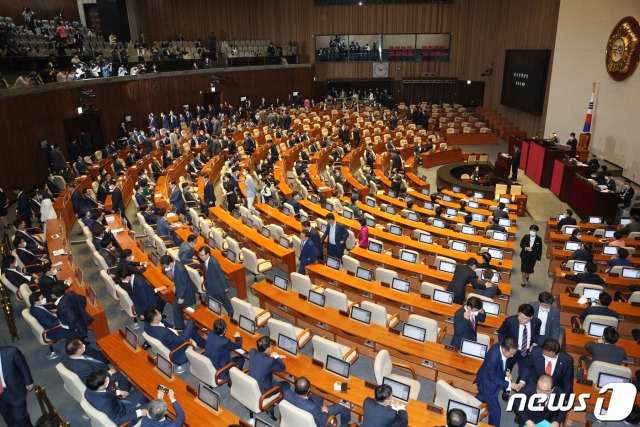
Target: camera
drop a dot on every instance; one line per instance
(162, 388)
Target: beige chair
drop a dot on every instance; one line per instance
(218, 237)
(109, 284)
(41, 334)
(579, 289)
(445, 391)
(323, 347)
(597, 367)
(350, 264)
(434, 333)
(196, 278)
(201, 367)
(255, 265)
(301, 284)
(25, 291)
(234, 247)
(596, 318)
(277, 327)
(635, 297)
(337, 300)
(383, 366)
(379, 314)
(277, 232)
(244, 308)
(500, 189)
(246, 391)
(384, 275)
(160, 349)
(127, 305)
(292, 416)
(427, 288)
(72, 383)
(98, 418)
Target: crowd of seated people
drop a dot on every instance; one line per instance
(338, 50)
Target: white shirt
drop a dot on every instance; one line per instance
(520, 329)
(504, 367)
(332, 234)
(553, 361)
(4, 384)
(542, 315)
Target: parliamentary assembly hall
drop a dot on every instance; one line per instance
(377, 213)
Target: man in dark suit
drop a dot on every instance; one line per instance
(544, 386)
(218, 348)
(384, 410)
(117, 203)
(170, 337)
(601, 309)
(524, 329)
(157, 410)
(15, 277)
(208, 196)
(15, 382)
(72, 311)
(262, 365)
(568, 219)
(83, 360)
(465, 321)
(164, 228)
(24, 207)
(336, 235)
(549, 359)
(176, 198)
(48, 320)
(33, 263)
(214, 280)
(499, 212)
(491, 377)
(295, 203)
(185, 253)
(185, 289)
(515, 162)
(604, 349)
(544, 310)
(356, 136)
(396, 161)
(105, 400)
(308, 251)
(143, 295)
(302, 398)
(33, 244)
(626, 195)
(463, 275)
(48, 279)
(588, 276)
(609, 182)
(103, 191)
(314, 237)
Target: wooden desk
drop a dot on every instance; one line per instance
(99, 326)
(569, 307)
(587, 200)
(578, 389)
(611, 283)
(63, 205)
(475, 138)
(146, 378)
(437, 158)
(563, 172)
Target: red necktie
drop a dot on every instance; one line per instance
(473, 323)
(548, 369)
(1, 386)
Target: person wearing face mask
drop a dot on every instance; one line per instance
(549, 359)
(249, 189)
(465, 321)
(142, 294)
(229, 192)
(626, 195)
(549, 315)
(572, 141)
(530, 254)
(576, 235)
(185, 290)
(48, 279)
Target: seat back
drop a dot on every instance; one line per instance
(125, 302)
(205, 231)
(195, 219)
(428, 288)
(160, 246)
(101, 262)
(500, 189)
(276, 231)
(250, 260)
(351, 240)
(219, 239)
(292, 416)
(445, 392)
(72, 383)
(633, 235)
(635, 297)
(98, 418)
(350, 264)
(596, 318)
(36, 328)
(382, 366)
(579, 289)
(277, 327)
(384, 275)
(196, 278)
(245, 390)
(430, 325)
(598, 367)
(301, 283)
(157, 345)
(378, 312)
(336, 299)
(323, 347)
(242, 308)
(109, 284)
(201, 367)
(233, 246)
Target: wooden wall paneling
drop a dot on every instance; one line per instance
(44, 9)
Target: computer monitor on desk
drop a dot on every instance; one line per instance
(446, 266)
(288, 344)
(131, 338)
(477, 217)
(281, 282)
(426, 238)
(364, 274)
(468, 229)
(605, 378)
(458, 246)
(571, 246)
(610, 250)
(214, 305)
(337, 366)
(361, 315)
(164, 366)
(401, 285)
(247, 325)
(400, 390)
(395, 230)
(472, 413)
(596, 329)
(595, 220)
(500, 236)
(414, 332)
(473, 349)
(444, 297)
(438, 223)
(578, 266)
(630, 273)
(209, 397)
(496, 253)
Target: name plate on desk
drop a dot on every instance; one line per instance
(317, 363)
(343, 313)
(635, 304)
(452, 348)
(425, 296)
(151, 360)
(574, 295)
(433, 267)
(577, 331)
(369, 384)
(434, 408)
(384, 285)
(614, 275)
(394, 331)
(192, 390)
(302, 297)
(565, 269)
(233, 321)
(585, 382)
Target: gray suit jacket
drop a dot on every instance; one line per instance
(606, 352)
(552, 327)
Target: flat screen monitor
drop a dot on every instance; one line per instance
(375, 247)
(231, 256)
(447, 198)
(347, 213)
(323, 227)
(504, 200)
(211, 242)
(266, 232)
(568, 229)
(286, 211)
(428, 206)
(183, 219)
(153, 258)
(438, 223)
(401, 285)
(391, 194)
(247, 325)
(131, 338)
(477, 217)
(505, 222)
(288, 344)
(492, 308)
(424, 191)
(247, 221)
(400, 390)
(451, 212)
(625, 221)
(426, 238)
(610, 250)
(609, 233)
(209, 397)
(591, 293)
(414, 332)
(455, 189)
(447, 267)
(458, 246)
(472, 413)
(605, 378)
(91, 294)
(370, 222)
(571, 246)
(473, 349)
(165, 366)
(141, 246)
(444, 297)
(281, 282)
(595, 220)
(630, 273)
(328, 206)
(236, 214)
(364, 274)
(596, 329)
(478, 195)
(337, 366)
(578, 266)
(500, 236)
(333, 262)
(473, 205)
(468, 229)
(361, 315)
(412, 216)
(196, 230)
(284, 242)
(371, 202)
(316, 297)
(496, 253)
(314, 199)
(395, 230)
(214, 305)
(409, 257)
(390, 210)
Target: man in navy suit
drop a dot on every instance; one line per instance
(142, 294)
(384, 410)
(336, 235)
(170, 337)
(14, 276)
(33, 244)
(314, 404)
(105, 400)
(494, 375)
(308, 252)
(465, 321)
(214, 281)
(543, 385)
(587, 276)
(208, 196)
(218, 348)
(72, 311)
(48, 320)
(47, 280)
(117, 203)
(24, 207)
(185, 253)
(157, 410)
(176, 197)
(515, 162)
(548, 359)
(524, 329)
(601, 309)
(83, 360)
(549, 317)
(185, 290)
(163, 228)
(568, 219)
(33, 263)
(76, 199)
(262, 365)
(16, 381)
(463, 275)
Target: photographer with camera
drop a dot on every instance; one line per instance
(157, 410)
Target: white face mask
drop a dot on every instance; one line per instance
(54, 271)
(167, 269)
(124, 281)
(532, 233)
(473, 313)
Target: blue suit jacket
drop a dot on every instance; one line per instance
(490, 377)
(551, 327)
(142, 294)
(308, 255)
(117, 204)
(377, 415)
(341, 235)
(510, 328)
(261, 368)
(178, 422)
(107, 402)
(168, 339)
(218, 348)
(462, 327)
(208, 195)
(214, 281)
(84, 367)
(599, 310)
(176, 199)
(17, 375)
(308, 405)
(534, 365)
(164, 228)
(72, 313)
(185, 253)
(185, 288)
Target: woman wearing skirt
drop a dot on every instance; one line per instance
(531, 253)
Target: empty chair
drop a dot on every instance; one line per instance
(323, 347)
(301, 284)
(500, 189)
(427, 288)
(383, 366)
(220, 241)
(277, 232)
(384, 275)
(277, 327)
(337, 300)
(350, 264)
(244, 308)
(434, 333)
(379, 314)
(234, 247)
(246, 391)
(201, 367)
(254, 264)
(445, 391)
(41, 334)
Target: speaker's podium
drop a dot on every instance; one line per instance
(563, 172)
(539, 157)
(587, 199)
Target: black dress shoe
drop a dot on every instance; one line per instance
(505, 396)
(146, 346)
